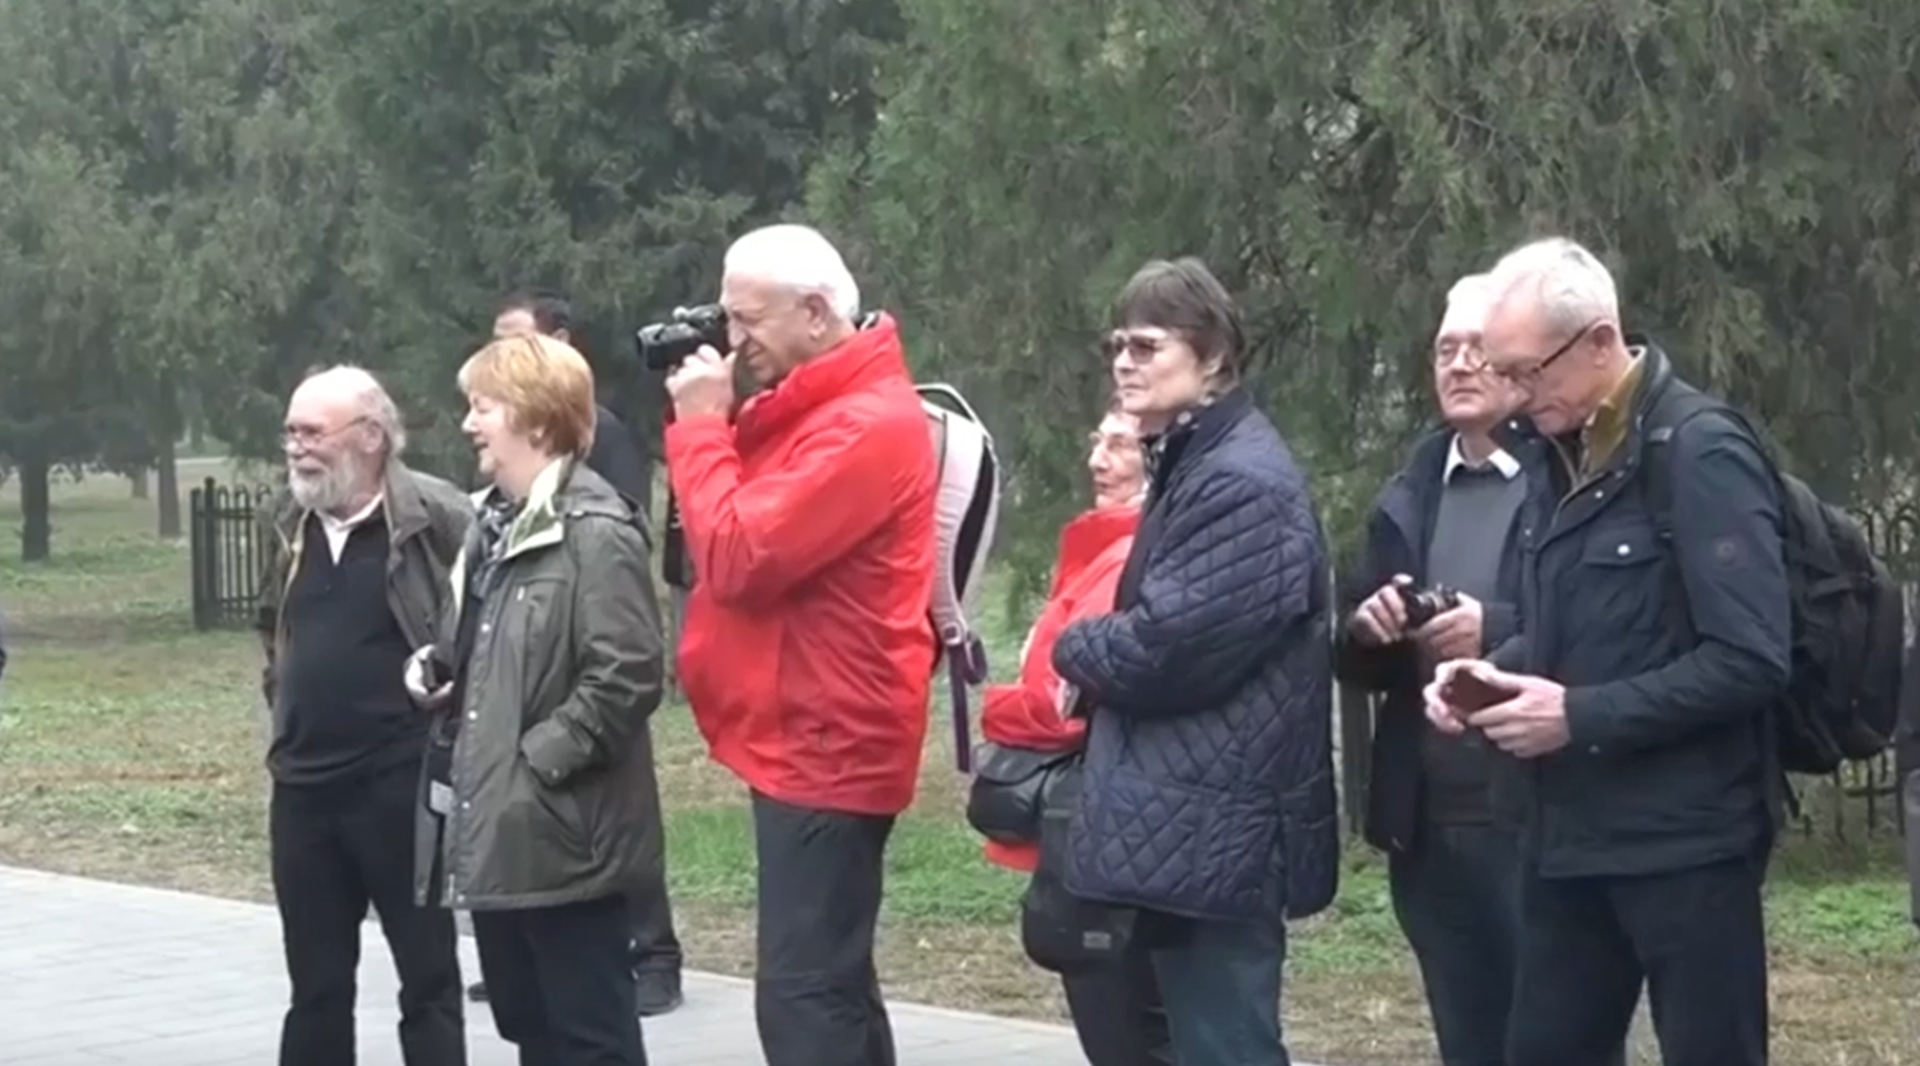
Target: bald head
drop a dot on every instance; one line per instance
(341, 428)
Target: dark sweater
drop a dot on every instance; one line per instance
(344, 706)
(1469, 542)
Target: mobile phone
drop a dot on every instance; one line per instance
(1467, 692)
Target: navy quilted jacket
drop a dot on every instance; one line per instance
(1208, 788)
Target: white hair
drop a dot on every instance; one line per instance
(375, 405)
(796, 257)
(1569, 284)
(1473, 287)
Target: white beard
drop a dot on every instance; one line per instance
(326, 492)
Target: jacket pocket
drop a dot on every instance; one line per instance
(1616, 589)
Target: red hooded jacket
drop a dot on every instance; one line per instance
(1027, 714)
(807, 652)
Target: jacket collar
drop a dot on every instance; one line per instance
(565, 487)
(872, 355)
(1088, 536)
(1195, 432)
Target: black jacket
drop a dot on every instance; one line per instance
(1670, 763)
(1397, 536)
(618, 459)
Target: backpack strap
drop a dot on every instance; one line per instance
(1679, 405)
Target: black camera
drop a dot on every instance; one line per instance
(1423, 605)
(665, 345)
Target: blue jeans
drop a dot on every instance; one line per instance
(1221, 985)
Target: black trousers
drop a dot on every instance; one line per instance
(1457, 897)
(816, 993)
(655, 948)
(1696, 938)
(560, 983)
(1118, 1013)
(337, 849)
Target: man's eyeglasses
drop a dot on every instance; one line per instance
(1469, 356)
(1527, 375)
(306, 437)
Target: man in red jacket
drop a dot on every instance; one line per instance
(808, 652)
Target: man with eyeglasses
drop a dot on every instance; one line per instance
(1446, 519)
(358, 550)
(1650, 792)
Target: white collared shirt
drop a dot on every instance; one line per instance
(1508, 466)
(339, 529)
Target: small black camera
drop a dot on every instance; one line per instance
(1423, 605)
(665, 345)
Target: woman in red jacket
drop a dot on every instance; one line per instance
(1117, 1013)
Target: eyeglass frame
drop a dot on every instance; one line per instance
(1530, 376)
(306, 439)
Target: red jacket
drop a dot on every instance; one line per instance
(807, 652)
(1093, 551)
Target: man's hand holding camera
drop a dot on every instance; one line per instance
(1396, 611)
(702, 384)
(1523, 715)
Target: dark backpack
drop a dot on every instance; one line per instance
(1849, 617)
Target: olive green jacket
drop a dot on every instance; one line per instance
(553, 797)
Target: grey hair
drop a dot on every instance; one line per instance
(375, 405)
(1569, 284)
(799, 258)
(1471, 287)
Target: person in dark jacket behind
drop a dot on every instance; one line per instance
(1208, 799)
(1446, 519)
(1653, 792)
(617, 457)
(547, 668)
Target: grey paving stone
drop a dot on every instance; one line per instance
(99, 974)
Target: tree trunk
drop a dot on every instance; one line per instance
(139, 481)
(169, 466)
(36, 508)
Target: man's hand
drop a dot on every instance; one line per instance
(1442, 714)
(1382, 617)
(1454, 634)
(429, 693)
(1532, 723)
(702, 384)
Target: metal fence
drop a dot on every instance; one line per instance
(228, 553)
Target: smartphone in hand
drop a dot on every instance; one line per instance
(1467, 692)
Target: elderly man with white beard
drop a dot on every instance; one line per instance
(356, 575)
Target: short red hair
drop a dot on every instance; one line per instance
(545, 385)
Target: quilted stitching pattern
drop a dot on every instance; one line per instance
(1209, 773)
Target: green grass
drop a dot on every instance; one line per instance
(130, 748)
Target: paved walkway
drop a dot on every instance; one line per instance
(93, 973)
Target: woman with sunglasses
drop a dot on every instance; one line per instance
(1207, 801)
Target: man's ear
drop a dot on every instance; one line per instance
(1602, 336)
(563, 335)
